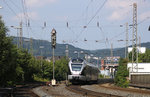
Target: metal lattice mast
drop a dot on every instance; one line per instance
(134, 39)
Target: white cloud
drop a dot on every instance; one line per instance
(31, 15)
(115, 4)
(120, 8)
(38, 3)
(144, 15)
(115, 16)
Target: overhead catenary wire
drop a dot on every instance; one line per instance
(92, 18)
(26, 17)
(11, 9)
(118, 35)
(15, 5)
(81, 33)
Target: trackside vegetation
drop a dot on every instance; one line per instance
(121, 78)
(122, 74)
(17, 66)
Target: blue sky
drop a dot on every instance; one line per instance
(78, 13)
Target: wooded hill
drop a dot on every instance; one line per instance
(60, 49)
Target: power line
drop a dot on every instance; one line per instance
(15, 5)
(25, 12)
(97, 12)
(118, 35)
(10, 8)
(92, 18)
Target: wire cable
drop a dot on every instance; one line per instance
(91, 19)
(11, 9)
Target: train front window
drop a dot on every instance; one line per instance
(76, 67)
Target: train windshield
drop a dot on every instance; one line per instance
(76, 67)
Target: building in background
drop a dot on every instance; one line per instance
(109, 65)
(141, 50)
(140, 76)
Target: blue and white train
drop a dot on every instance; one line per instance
(81, 70)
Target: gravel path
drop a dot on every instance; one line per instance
(57, 91)
(97, 88)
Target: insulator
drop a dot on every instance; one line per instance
(97, 24)
(44, 24)
(67, 25)
(85, 40)
(121, 25)
(84, 26)
(28, 23)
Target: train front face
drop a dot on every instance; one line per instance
(76, 66)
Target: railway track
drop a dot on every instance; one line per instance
(144, 86)
(130, 89)
(21, 91)
(84, 92)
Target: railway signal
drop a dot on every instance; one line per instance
(53, 38)
(53, 44)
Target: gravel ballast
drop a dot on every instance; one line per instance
(100, 89)
(56, 91)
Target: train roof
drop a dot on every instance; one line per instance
(77, 60)
(92, 65)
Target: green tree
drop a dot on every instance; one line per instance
(122, 74)
(145, 58)
(28, 65)
(8, 54)
(61, 68)
(142, 58)
(46, 70)
(130, 55)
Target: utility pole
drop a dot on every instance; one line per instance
(134, 39)
(139, 42)
(53, 44)
(1, 8)
(111, 69)
(111, 53)
(31, 47)
(20, 37)
(67, 52)
(127, 39)
(41, 47)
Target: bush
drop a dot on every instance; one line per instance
(122, 74)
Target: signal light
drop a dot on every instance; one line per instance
(149, 28)
(53, 38)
